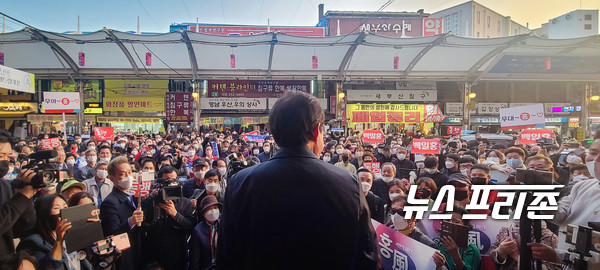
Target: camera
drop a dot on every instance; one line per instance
(45, 175)
(534, 177)
(166, 190)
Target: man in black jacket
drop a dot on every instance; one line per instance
(16, 209)
(322, 220)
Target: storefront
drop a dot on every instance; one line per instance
(13, 115)
(52, 123)
(138, 125)
(390, 117)
(16, 90)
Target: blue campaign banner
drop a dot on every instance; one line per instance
(256, 138)
(215, 149)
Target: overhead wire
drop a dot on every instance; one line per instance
(157, 57)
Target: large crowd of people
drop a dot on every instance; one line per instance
(234, 213)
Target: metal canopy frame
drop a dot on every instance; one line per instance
(114, 38)
(57, 49)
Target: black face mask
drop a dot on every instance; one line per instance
(460, 195)
(3, 168)
(479, 180)
(425, 193)
(345, 158)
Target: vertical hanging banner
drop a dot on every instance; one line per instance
(1, 58)
(178, 107)
(148, 59)
(81, 59)
(315, 62)
(232, 60)
(104, 133)
(396, 62)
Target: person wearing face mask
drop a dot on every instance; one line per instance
(345, 162)
(451, 164)
(431, 171)
(337, 154)
(47, 244)
(376, 203)
(71, 160)
(387, 156)
(579, 173)
(327, 157)
(221, 166)
(574, 158)
(87, 171)
(98, 187)
(380, 185)
(121, 213)
(203, 245)
(357, 161)
(465, 164)
(408, 226)
(426, 189)
(167, 226)
(199, 167)
(104, 153)
(266, 154)
(403, 163)
(212, 182)
(480, 175)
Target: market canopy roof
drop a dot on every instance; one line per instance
(361, 56)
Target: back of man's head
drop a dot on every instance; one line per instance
(294, 118)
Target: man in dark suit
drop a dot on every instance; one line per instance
(119, 213)
(322, 219)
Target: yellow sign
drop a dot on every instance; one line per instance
(137, 120)
(134, 104)
(574, 122)
(91, 88)
(385, 113)
(40, 118)
(93, 111)
(135, 88)
(11, 109)
(580, 134)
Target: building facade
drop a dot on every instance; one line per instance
(574, 24)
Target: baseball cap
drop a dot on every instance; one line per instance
(199, 162)
(72, 183)
(459, 177)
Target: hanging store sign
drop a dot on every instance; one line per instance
(134, 104)
(42, 118)
(128, 88)
(385, 113)
(178, 107)
(17, 80)
(134, 120)
(490, 108)
(392, 95)
(233, 104)
(556, 108)
(254, 89)
(454, 108)
(17, 108)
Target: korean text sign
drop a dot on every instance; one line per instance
(104, 133)
(61, 102)
(373, 136)
(374, 167)
(178, 107)
(426, 146)
(255, 89)
(398, 251)
(454, 130)
(143, 190)
(385, 113)
(530, 135)
(50, 143)
(522, 117)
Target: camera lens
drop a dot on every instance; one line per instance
(48, 177)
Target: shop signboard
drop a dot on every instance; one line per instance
(490, 108)
(392, 95)
(233, 104)
(178, 107)
(389, 27)
(373, 136)
(426, 146)
(454, 108)
(385, 113)
(556, 108)
(574, 122)
(133, 120)
(512, 105)
(432, 26)
(146, 88)
(91, 89)
(17, 108)
(17, 80)
(61, 102)
(522, 117)
(254, 89)
(249, 30)
(41, 118)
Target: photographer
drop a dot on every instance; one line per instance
(168, 223)
(16, 209)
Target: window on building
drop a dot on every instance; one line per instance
(587, 17)
(478, 17)
(455, 23)
(587, 27)
(447, 24)
(488, 22)
(498, 26)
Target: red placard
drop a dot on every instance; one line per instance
(454, 130)
(104, 133)
(50, 143)
(373, 136)
(529, 136)
(142, 190)
(426, 146)
(374, 167)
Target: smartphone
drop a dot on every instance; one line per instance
(459, 233)
(584, 238)
(534, 177)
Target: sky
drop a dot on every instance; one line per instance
(157, 15)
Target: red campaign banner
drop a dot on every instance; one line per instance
(374, 167)
(178, 107)
(454, 130)
(104, 133)
(144, 189)
(529, 136)
(373, 136)
(254, 89)
(245, 135)
(50, 143)
(426, 146)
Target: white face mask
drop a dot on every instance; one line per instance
(387, 179)
(449, 164)
(366, 186)
(78, 141)
(260, 144)
(212, 215)
(431, 171)
(339, 151)
(92, 147)
(199, 174)
(71, 162)
(393, 195)
(101, 174)
(266, 149)
(255, 152)
(494, 159)
(326, 159)
(105, 159)
(92, 159)
(212, 187)
(580, 177)
(222, 171)
(134, 152)
(122, 145)
(420, 165)
(394, 151)
(126, 183)
(593, 168)
(359, 154)
(401, 156)
(572, 159)
(147, 170)
(399, 222)
(465, 172)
